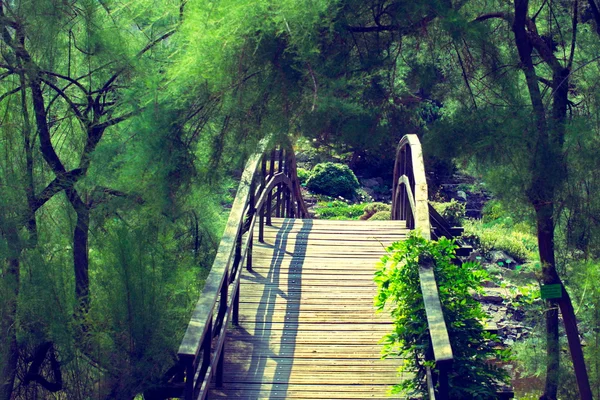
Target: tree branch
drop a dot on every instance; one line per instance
(573, 35)
(73, 106)
(9, 93)
(60, 183)
(501, 15)
(117, 120)
(114, 77)
(596, 14)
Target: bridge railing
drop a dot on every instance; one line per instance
(410, 203)
(269, 187)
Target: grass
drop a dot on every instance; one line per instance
(339, 210)
(520, 245)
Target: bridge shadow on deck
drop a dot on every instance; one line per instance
(264, 323)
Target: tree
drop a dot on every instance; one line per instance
(528, 146)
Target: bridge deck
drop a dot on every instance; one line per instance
(307, 323)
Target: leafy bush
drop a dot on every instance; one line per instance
(339, 210)
(333, 180)
(452, 211)
(303, 175)
(373, 208)
(520, 245)
(397, 278)
(381, 216)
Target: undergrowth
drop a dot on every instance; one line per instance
(399, 293)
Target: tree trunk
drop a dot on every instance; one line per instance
(541, 193)
(560, 85)
(8, 324)
(80, 249)
(9, 369)
(545, 234)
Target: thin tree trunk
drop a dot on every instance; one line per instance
(80, 249)
(541, 193)
(545, 234)
(8, 324)
(560, 84)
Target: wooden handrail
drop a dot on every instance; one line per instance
(410, 203)
(269, 185)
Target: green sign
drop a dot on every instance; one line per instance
(551, 291)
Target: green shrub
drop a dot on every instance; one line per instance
(339, 210)
(373, 208)
(333, 179)
(518, 244)
(452, 211)
(303, 175)
(397, 278)
(381, 216)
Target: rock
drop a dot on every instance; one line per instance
(501, 258)
(371, 182)
(489, 298)
(489, 284)
(475, 256)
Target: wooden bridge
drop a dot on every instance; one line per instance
(287, 310)
(307, 325)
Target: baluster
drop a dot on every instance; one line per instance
(220, 318)
(206, 358)
(189, 379)
(261, 220)
(236, 306)
(290, 192)
(278, 193)
(220, 367)
(237, 258)
(443, 387)
(270, 195)
(251, 214)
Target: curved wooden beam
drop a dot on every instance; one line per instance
(409, 174)
(409, 162)
(202, 348)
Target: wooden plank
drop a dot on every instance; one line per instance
(296, 391)
(253, 325)
(435, 316)
(308, 327)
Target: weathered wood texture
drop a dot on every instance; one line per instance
(410, 203)
(269, 185)
(307, 324)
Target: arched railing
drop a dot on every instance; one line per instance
(269, 187)
(409, 203)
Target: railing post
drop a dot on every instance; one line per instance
(220, 367)
(206, 358)
(251, 213)
(189, 379)
(261, 218)
(236, 306)
(237, 258)
(280, 186)
(270, 195)
(443, 386)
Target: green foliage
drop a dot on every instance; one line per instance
(145, 292)
(399, 293)
(452, 211)
(373, 208)
(381, 216)
(333, 179)
(303, 175)
(521, 245)
(338, 209)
